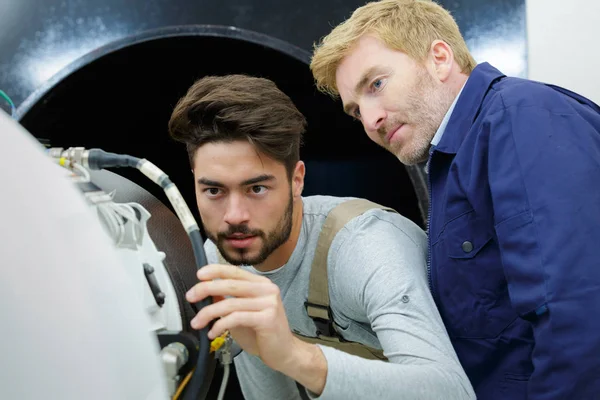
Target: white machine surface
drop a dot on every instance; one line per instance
(126, 224)
(70, 327)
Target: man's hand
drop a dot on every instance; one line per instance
(253, 313)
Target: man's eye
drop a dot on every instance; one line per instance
(356, 113)
(259, 189)
(377, 84)
(212, 191)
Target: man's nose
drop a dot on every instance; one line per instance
(237, 210)
(373, 118)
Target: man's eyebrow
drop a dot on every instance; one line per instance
(251, 181)
(210, 182)
(365, 78)
(258, 179)
(364, 81)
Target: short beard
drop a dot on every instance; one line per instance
(271, 242)
(437, 101)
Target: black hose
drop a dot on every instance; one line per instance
(197, 383)
(99, 159)
(198, 247)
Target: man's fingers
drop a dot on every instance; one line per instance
(218, 271)
(237, 319)
(228, 306)
(230, 287)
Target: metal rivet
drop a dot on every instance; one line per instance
(467, 247)
(405, 299)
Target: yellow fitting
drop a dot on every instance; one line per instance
(218, 342)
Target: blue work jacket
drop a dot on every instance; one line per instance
(514, 237)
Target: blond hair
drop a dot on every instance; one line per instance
(409, 26)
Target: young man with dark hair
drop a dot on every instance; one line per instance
(327, 292)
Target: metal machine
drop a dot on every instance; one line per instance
(93, 305)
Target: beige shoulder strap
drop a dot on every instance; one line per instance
(317, 305)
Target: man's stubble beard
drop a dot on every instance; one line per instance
(271, 242)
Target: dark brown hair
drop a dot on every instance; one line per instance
(239, 107)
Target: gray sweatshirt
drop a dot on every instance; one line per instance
(379, 296)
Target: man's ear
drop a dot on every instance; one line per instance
(442, 59)
(298, 179)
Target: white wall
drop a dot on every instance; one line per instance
(563, 38)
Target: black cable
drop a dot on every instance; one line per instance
(196, 385)
(99, 159)
(198, 248)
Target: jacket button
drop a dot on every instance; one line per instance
(467, 247)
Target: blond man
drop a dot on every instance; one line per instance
(513, 168)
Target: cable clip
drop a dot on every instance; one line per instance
(222, 346)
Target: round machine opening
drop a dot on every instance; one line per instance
(120, 97)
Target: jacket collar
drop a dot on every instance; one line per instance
(467, 107)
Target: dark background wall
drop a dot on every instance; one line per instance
(39, 37)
